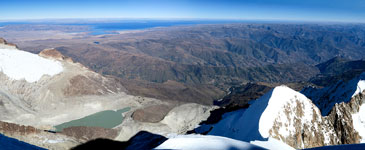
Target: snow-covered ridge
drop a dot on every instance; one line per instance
(285, 99)
(18, 65)
(360, 86)
(325, 98)
(359, 117)
(281, 113)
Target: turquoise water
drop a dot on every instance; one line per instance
(105, 119)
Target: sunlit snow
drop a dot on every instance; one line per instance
(284, 96)
(18, 65)
(359, 122)
(192, 142)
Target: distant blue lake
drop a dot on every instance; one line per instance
(108, 27)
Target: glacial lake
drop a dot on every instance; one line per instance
(105, 119)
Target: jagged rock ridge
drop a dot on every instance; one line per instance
(291, 117)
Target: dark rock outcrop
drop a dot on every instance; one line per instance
(55, 54)
(240, 95)
(92, 85)
(152, 114)
(12, 128)
(341, 119)
(4, 42)
(90, 133)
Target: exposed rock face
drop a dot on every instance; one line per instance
(184, 118)
(11, 128)
(90, 133)
(53, 53)
(341, 100)
(341, 119)
(291, 117)
(305, 126)
(152, 114)
(36, 136)
(178, 120)
(92, 84)
(2, 41)
(5, 44)
(326, 98)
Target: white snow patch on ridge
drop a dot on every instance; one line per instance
(197, 142)
(272, 143)
(360, 87)
(359, 122)
(18, 65)
(358, 119)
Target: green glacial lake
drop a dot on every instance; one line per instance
(105, 119)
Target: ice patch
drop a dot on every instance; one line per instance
(93, 105)
(272, 144)
(54, 141)
(18, 65)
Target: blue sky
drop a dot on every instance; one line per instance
(301, 10)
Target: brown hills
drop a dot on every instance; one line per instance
(205, 57)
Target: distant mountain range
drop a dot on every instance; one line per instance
(265, 85)
(210, 56)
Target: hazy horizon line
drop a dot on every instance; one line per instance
(180, 19)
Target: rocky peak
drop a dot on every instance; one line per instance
(292, 118)
(2, 41)
(54, 54)
(283, 114)
(5, 44)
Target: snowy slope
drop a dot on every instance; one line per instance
(273, 144)
(281, 113)
(281, 100)
(327, 97)
(359, 122)
(359, 118)
(20, 65)
(198, 142)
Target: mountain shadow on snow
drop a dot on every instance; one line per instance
(142, 140)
